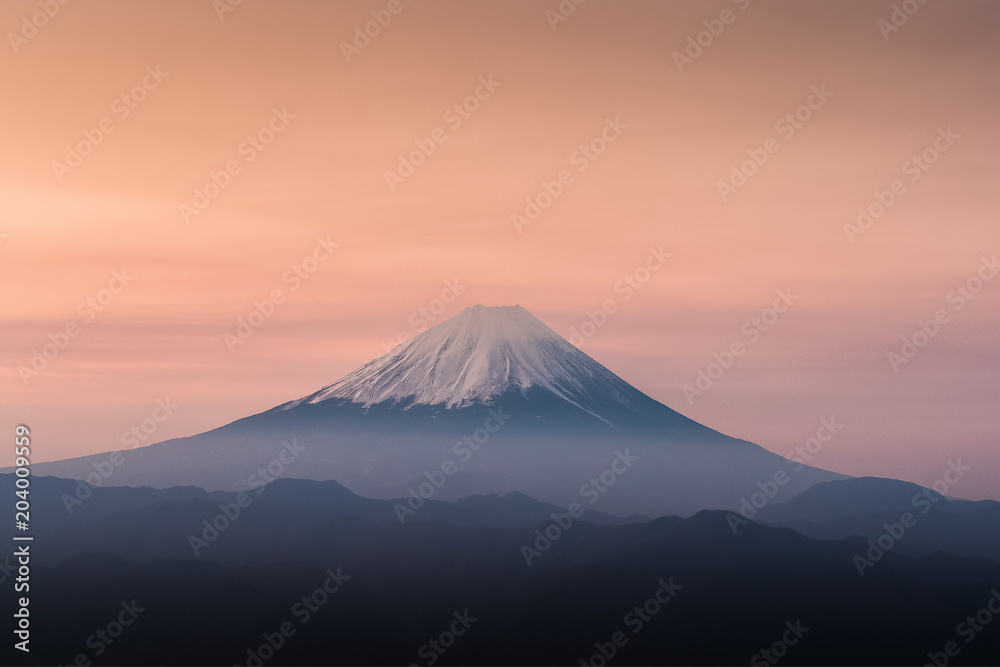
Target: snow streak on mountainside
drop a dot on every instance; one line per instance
(559, 418)
(476, 357)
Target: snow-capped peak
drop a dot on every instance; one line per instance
(475, 357)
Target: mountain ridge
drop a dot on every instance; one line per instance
(489, 401)
(476, 357)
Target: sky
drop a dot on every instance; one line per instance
(741, 208)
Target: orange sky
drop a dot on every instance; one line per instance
(328, 131)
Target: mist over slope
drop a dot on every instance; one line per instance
(489, 401)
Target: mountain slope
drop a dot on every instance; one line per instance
(732, 595)
(867, 505)
(490, 401)
(481, 356)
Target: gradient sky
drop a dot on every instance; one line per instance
(323, 176)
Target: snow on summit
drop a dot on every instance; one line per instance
(475, 357)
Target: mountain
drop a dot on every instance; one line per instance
(829, 501)
(518, 509)
(867, 506)
(131, 518)
(496, 356)
(354, 590)
(491, 401)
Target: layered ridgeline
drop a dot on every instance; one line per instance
(489, 401)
